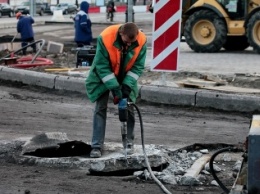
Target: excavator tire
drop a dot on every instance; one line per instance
(253, 31)
(236, 43)
(205, 32)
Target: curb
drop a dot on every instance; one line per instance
(154, 94)
(201, 98)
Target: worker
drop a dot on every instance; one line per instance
(118, 63)
(82, 23)
(24, 27)
(110, 9)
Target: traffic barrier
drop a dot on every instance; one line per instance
(57, 15)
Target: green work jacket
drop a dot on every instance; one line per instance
(101, 77)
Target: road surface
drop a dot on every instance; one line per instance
(26, 111)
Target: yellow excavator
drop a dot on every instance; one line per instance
(209, 25)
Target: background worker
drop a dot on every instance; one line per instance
(118, 63)
(82, 23)
(110, 9)
(24, 27)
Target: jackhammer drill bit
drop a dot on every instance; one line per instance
(124, 137)
(123, 116)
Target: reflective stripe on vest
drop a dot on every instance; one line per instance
(109, 36)
(108, 77)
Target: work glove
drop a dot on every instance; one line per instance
(117, 94)
(126, 90)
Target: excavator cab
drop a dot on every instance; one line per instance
(236, 9)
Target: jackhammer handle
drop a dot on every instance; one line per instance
(122, 110)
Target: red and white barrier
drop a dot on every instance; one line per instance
(166, 35)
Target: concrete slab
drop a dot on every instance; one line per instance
(168, 162)
(113, 159)
(113, 156)
(55, 47)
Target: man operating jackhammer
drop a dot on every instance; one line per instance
(118, 63)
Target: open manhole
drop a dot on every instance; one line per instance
(170, 163)
(56, 149)
(81, 149)
(66, 149)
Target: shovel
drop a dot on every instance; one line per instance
(12, 45)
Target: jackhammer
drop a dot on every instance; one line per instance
(123, 116)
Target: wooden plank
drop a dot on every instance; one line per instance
(196, 83)
(234, 89)
(214, 86)
(238, 189)
(216, 79)
(197, 166)
(201, 82)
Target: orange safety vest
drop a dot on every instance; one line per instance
(109, 36)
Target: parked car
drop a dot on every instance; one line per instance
(6, 10)
(48, 8)
(66, 8)
(25, 6)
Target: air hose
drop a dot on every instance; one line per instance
(222, 186)
(145, 155)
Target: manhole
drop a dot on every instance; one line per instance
(67, 149)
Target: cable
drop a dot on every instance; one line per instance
(223, 187)
(210, 162)
(145, 155)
